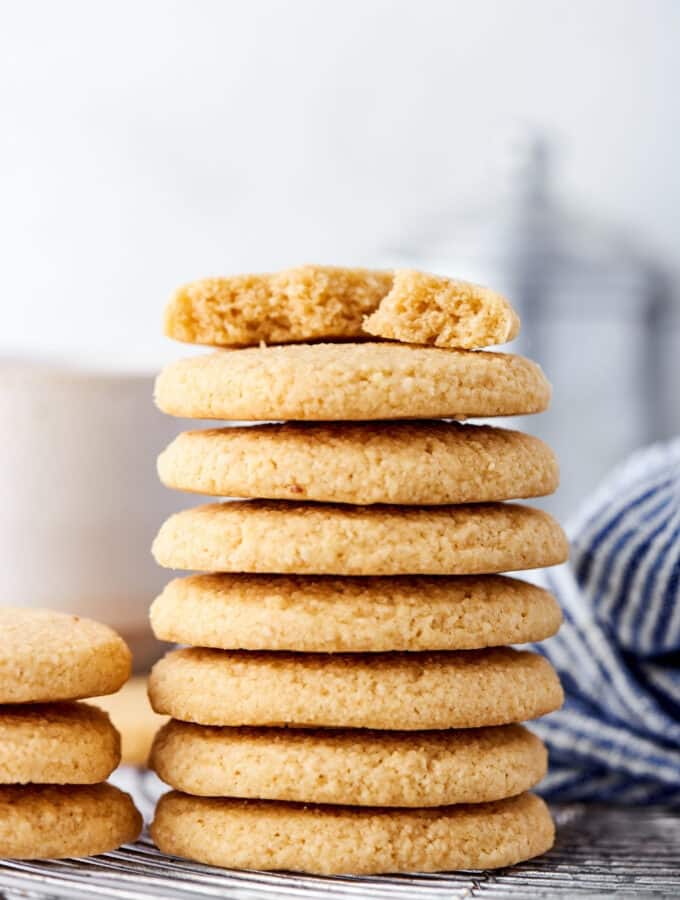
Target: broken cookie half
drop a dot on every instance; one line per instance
(445, 312)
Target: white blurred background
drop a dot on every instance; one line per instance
(147, 142)
(530, 144)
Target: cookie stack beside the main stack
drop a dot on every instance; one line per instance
(56, 754)
(349, 704)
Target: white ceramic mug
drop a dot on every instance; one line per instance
(81, 501)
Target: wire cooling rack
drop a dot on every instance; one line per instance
(601, 851)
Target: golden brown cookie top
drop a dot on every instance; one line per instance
(326, 539)
(413, 463)
(47, 655)
(329, 615)
(353, 767)
(54, 822)
(56, 743)
(367, 381)
(331, 840)
(393, 691)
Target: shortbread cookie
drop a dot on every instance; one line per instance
(351, 382)
(428, 309)
(395, 691)
(280, 537)
(132, 715)
(418, 463)
(316, 302)
(47, 655)
(359, 768)
(342, 840)
(326, 615)
(302, 304)
(56, 743)
(48, 822)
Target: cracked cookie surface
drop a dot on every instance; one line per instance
(412, 463)
(47, 655)
(322, 539)
(392, 691)
(365, 382)
(337, 840)
(353, 767)
(309, 614)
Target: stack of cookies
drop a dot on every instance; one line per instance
(349, 703)
(56, 754)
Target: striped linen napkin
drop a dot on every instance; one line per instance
(617, 738)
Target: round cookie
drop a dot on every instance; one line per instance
(56, 743)
(354, 767)
(321, 614)
(419, 463)
(326, 382)
(132, 715)
(310, 539)
(47, 655)
(393, 691)
(341, 840)
(49, 822)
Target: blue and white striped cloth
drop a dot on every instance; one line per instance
(617, 737)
